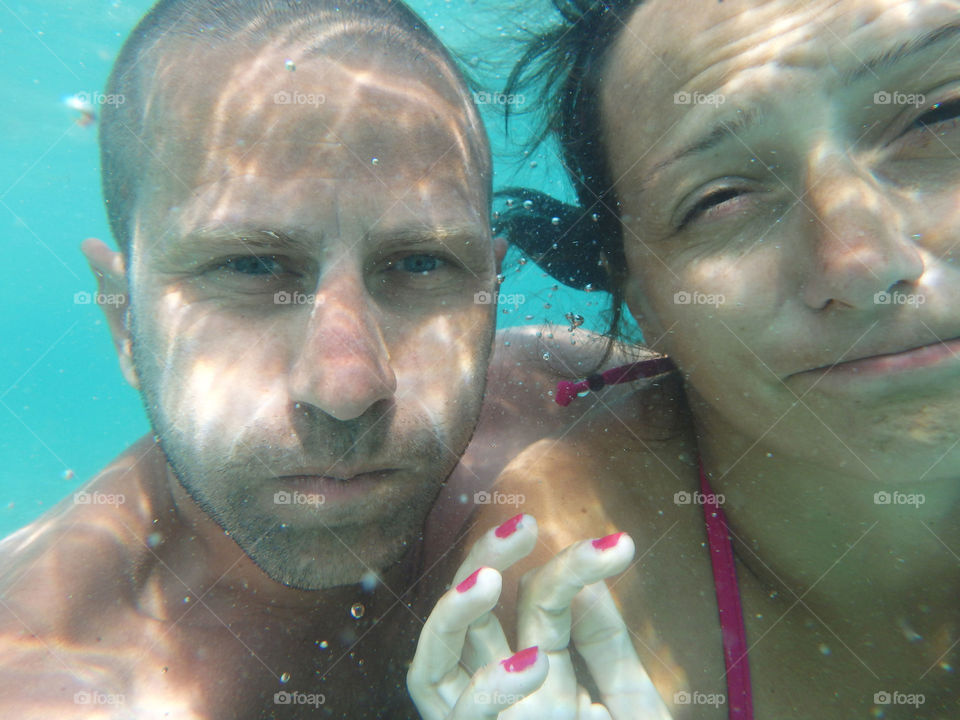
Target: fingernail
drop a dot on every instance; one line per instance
(509, 527)
(469, 582)
(521, 660)
(605, 543)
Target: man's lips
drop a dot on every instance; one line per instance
(325, 489)
(913, 358)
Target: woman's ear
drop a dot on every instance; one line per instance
(109, 268)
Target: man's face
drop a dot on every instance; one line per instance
(308, 244)
(790, 183)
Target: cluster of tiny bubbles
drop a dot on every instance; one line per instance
(285, 678)
(575, 321)
(357, 610)
(290, 65)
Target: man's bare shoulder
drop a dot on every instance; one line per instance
(83, 554)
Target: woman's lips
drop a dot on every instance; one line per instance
(943, 353)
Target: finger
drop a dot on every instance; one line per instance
(435, 679)
(501, 547)
(500, 685)
(485, 643)
(587, 710)
(547, 592)
(601, 637)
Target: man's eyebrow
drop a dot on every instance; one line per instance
(425, 234)
(213, 238)
(888, 58)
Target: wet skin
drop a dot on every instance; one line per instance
(202, 595)
(826, 199)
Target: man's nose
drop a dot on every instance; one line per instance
(344, 364)
(860, 247)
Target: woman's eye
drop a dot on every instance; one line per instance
(938, 113)
(708, 202)
(418, 264)
(253, 265)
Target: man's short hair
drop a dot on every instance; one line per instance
(315, 24)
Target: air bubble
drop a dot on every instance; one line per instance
(357, 610)
(528, 204)
(375, 161)
(285, 678)
(290, 65)
(554, 221)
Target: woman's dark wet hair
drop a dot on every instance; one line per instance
(315, 24)
(578, 245)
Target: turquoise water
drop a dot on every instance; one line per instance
(65, 409)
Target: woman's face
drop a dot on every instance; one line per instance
(790, 185)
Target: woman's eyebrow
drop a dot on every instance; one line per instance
(888, 58)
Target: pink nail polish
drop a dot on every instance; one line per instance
(509, 527)
(521, 660)
(468, 582)
(605, 543)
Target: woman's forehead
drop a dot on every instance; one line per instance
(655, 54)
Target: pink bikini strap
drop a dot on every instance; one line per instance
(735, 659)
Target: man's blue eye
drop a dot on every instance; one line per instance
(253, 265)
(421, 264)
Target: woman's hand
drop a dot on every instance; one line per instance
(463, 668)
